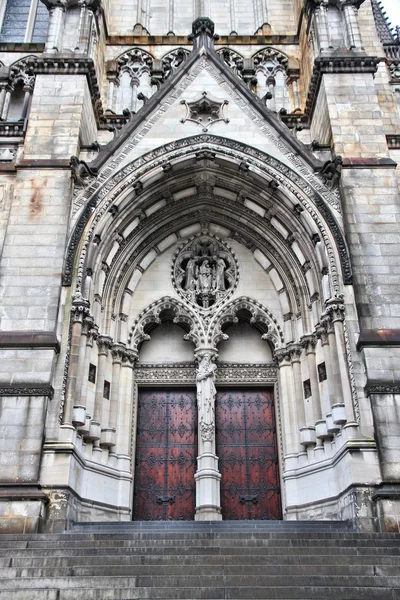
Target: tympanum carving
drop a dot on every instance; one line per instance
(205, 272)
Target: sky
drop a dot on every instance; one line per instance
(392, 8)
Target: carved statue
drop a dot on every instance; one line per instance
(190, 281)
(332, 170)
(204, 281)
(220, 274)
(206, 397)
(81, 172)
(204, 271)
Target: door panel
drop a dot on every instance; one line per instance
(247, 450)
(165, 456)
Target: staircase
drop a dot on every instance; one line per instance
(210, 560)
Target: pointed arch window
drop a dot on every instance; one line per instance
(23, 21)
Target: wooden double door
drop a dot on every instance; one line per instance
(166, 452)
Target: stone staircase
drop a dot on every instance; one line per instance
(231, 560)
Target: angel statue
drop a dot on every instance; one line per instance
(206, 396)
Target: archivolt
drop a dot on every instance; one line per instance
(315, 202)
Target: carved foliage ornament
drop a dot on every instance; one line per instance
(205, 272)
(205, 112)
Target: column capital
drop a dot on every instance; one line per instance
(104, 343)
(335, 308)
(117, 352)
(308, 342)
(283, 356)
(129, 357)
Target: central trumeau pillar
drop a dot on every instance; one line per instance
(208, 504)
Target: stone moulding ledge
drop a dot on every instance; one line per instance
(29, 339)
(375, 338)
(22, 491)
(359, 162)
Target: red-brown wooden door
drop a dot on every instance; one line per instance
(247, 451)
(166, 453)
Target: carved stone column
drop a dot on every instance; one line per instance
(124, 415)
(335, 309)
(321, 18)
(28, 89)
(350, 14)
(6, 103)
(208, 503)
(309, 342)
(56, 17)
(289, 404)
(3, 94)
(295, 353)
(85, 26)
(104, 344)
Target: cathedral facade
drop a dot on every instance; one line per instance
(200, 262)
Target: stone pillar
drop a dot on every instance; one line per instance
(117, 352)
(79, 310)
(295, 353)
(335, 309)
(289, 404)
(110, 93)
(3, 94)
(6, 103)
(104, 344)
(28, 89)
(350, 14)
(309, 342)
(321, 18)
(124, 412)
(208, 503)
(85, 25)
(56, 18)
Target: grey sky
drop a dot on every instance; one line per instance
(392, 8)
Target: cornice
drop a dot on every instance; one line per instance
(182, 40)
(376, 338)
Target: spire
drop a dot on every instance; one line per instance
(203, 35)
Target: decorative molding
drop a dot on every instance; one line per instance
(246, 373)
(382, 387)
(205, 112)
(165, 374)
(185, 373)
(26, 389)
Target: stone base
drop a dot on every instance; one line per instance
(387, 508)
(208, 513)
(354, 505)
(66, 506)
(23, 509)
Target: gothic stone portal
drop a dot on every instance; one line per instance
(167, 449)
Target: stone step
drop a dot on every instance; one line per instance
(162, 560)
(339, 592)
(212, 525)
(68, 538)
(198, 581)
(245, 571)
(212, 542)
(200, 551)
